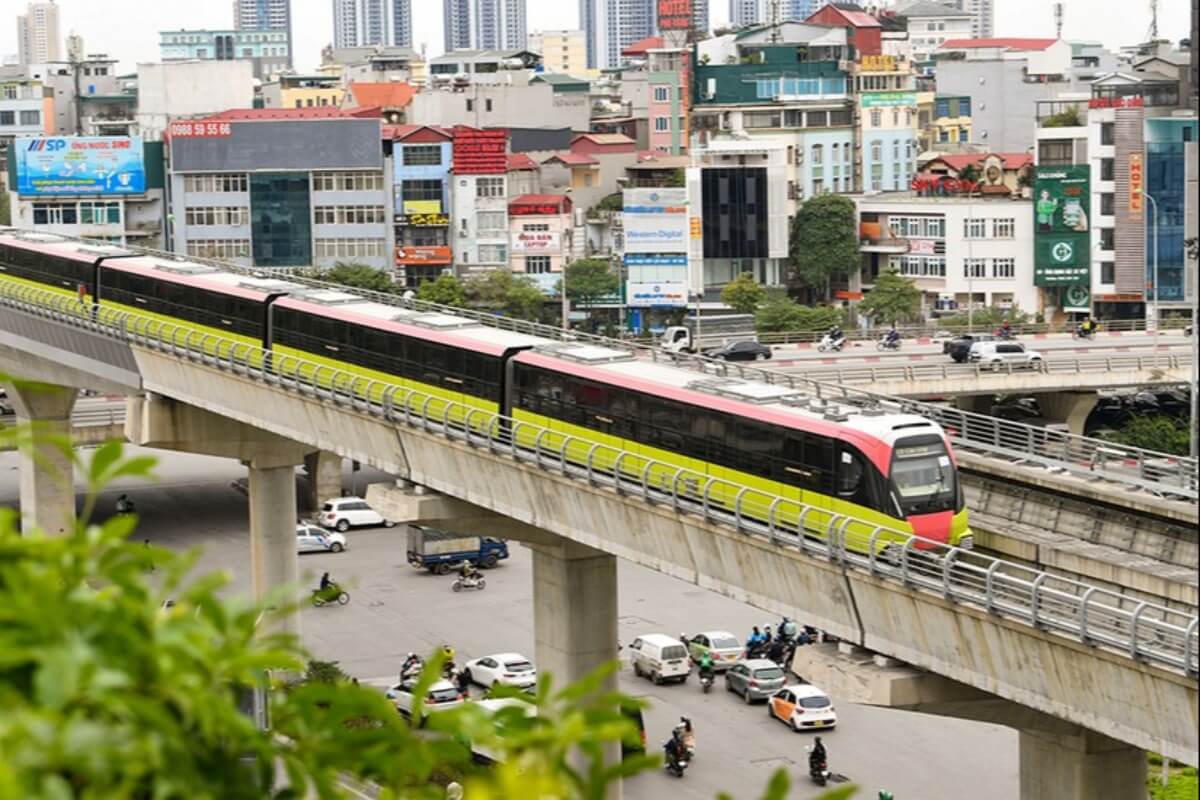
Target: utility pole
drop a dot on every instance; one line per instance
(1155, 317)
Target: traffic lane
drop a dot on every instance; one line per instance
(909, 349)
(395, 609)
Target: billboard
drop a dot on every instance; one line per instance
(423, 254)
(536, 242)
(657, 293)
(674, 15)
(1137, 180)
(479, 152)
(283, 145)
(94, 165)
(656, 221)
(1061, 243)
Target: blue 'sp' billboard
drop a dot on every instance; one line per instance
(72, 165)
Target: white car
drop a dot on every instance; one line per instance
(442, 695)
(509, 669)
(999, 354)
(315, 539)
(345, 513)
(802, 706)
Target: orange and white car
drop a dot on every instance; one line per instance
(802, 706)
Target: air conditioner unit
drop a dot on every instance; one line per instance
(462, 234)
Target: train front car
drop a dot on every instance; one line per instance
(924, 482)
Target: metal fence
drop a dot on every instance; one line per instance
(1082, 612)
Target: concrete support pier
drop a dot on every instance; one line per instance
(1080, 766)
(324, 470)
(273, 559)
(1071, 408)
(47, 474)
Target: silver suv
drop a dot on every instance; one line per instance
(999, 354)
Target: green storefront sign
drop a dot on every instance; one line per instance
(888, 99)
(1077, 298)
(1061, 239)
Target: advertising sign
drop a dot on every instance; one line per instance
(421, 254)
(1061, 242)
(922, 247)
(423, 220)
(423, 207)
(96, 165)
(878, 63)
(656, 221)
(479, 152)
(674, 15)
(657, 293)
(539, 208)
(189, 130)
(888, 99)
(1077, 298)
(1136, 184)
(536, 242)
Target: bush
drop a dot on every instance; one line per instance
(779, 315)
(1155, 432)
(984, 318)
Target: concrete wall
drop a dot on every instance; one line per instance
(502, 106)
(190, 88)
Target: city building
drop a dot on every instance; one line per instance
(421, 161)
(484, 24)
(392, 99)
(589, 168)
(302, 91)
(267, 51)
(524, 175)
(38, 39)
(737, 196)
(945, 123)
(701, 21)
(362, 23)
(479, 199)
(72, 84)
(864, 33)
(983, 16)
(500, 105)
(1005, 78)
(930, 25)
(281, 187)
(561, 51)
(265, 15)
(612, 25)
(375, 64)
(749, 13)
(886, 133)
(796, 92)
(1133, 131)
(959, 250)
(483, 66)
(106, 188)
(180, 90)
(540, 233)
(996, 174)
(26, 109)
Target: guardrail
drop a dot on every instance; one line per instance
(1076, 365)
(1082, 612)
(1083, 452)
(98, 416)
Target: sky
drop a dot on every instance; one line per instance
(128, 29)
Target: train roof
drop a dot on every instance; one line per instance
(462, 327)
(775, 403)
(54, 244)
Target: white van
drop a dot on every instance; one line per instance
(660, 658)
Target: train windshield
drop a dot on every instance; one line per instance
(923, 476)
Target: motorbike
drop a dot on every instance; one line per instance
(673, 765)
(885, 343)
(1080, 333)
(706, 681)
(329, 595)
(1006, 335)
(818, 769)
(828, 343)
(469, 582)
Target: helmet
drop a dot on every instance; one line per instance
(884, 794)
(817, 740)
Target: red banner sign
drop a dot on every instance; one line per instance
(1133, 101)
(193, 130)
(1136, 179)
(534, 209)
(479, 152)
(674, 15)
(418, 254)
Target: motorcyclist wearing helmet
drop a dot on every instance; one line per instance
(706, 665)
(817, 757)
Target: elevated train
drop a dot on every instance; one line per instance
(893, 470)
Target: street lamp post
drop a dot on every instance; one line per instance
(1157, 322)
(566, 304)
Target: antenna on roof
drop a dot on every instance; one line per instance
(1153, 21)
(1058, 20)
(773, 14)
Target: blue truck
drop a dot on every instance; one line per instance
(439, 551)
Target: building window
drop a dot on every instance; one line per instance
(876, 151)
(99, 213)
(537, 265)
(487, 104)
(896, 150)
(421, 155)
(836, 154)
(493, 254)
(489, 187)
(492, 221)
(350, 248)
(1106, 169)
(1004, 267)
(214, 183)
(217, 215)
(347, 181)
(662, 123)
(536, 227)
(1108, 272)
(761, 119)
(1106, 133)
(424, 190)
(877, 183)
(876, 118)
(1003, 228)
(662, 94)
(975, 267)
(219, 248)
(1106, 239)
(1106, 204)
(818, 186)
(818, 153)
(1055, 152)
(54, 214)
(974, 228)
(348, 215)
(31, 117)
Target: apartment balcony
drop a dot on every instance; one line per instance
(886, 245)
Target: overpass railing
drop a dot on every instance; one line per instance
(1085, 613)
(1160, 474)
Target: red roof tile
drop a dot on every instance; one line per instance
(315, 112)
(640, 47)
(1008, 43)
(519, 161)
(384, 95)
(398, 132)
(541, 200)
(572, 159)
(959, 161)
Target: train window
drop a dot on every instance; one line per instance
(849, 473)
(756, 447)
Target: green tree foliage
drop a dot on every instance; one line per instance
(743, 294)
(445, 290)
(5, 208)
(1155, 432)
(985, 319)
(824, 241)
(894, 299)
(499, 290)
(1067, 118)
(359, 276)
(589, 280)
(969, 173)
(779, 314)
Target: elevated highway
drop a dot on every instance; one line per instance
(1051, 650)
